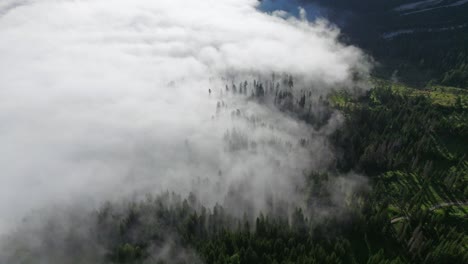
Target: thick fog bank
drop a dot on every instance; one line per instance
(107, 99)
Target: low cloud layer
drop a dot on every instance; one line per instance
(104, 99)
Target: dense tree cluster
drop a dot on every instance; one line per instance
(414, 151)
(280, 92)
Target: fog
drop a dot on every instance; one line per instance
(295, 8)
(107, 99)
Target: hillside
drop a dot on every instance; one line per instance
(410, 143)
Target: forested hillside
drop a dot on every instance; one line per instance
(410, 142)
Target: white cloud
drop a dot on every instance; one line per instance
(102, 98)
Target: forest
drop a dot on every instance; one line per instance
(412, 145)
(409, 142)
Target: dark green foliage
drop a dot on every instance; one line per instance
(221, 238)
(415, 151)
(395, 131)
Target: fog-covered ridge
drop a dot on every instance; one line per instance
(104, 100)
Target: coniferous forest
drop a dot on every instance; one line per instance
(411, 144)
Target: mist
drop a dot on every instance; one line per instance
(297, 8)
(104, 100)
